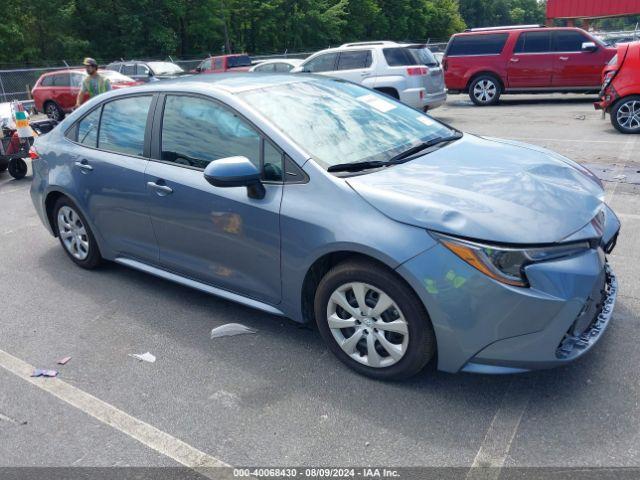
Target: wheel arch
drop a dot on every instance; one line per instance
(484, 72)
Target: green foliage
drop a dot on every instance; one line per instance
(488, 13)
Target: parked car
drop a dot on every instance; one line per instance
(282, 65)
(321, 200)
(620, 94)
(237, 62)
(146, 71)
(487, 62)
(55, 93)
(407, 72)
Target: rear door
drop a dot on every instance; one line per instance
(574, 67)
(355, 66)
(109, 154)
(219, 236)
(531, 63)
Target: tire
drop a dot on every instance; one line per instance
(17, 168)
(410, 337)
(75, 235)
(53, 111)
(625, 114)
(485, 90)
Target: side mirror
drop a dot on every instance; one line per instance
(589, 46)
(235, 172)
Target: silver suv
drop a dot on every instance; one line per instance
(408, 72)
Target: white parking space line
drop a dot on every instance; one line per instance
(561, 140)
(144, 433)
(499, 437)
(625, 156)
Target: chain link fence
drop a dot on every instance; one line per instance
(16, 83)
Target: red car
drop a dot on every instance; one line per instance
(488, 62)
(620, 94)
(55, 93)
(238, 62)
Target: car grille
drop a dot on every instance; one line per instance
(593, 318)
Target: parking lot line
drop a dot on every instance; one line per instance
(625, 156)
(497, 442)
(538, 139)
(144, 433)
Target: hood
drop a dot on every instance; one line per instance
(487, 189)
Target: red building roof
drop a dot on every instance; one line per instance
(591, 8)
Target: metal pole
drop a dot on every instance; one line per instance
(4, 94)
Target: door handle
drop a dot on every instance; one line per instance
(564, 59)
(514, 60)
(84, 166)
(161, 190)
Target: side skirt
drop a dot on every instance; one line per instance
(203, 287)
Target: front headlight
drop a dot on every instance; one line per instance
(506, 264)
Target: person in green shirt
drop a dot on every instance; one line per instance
(93, 84)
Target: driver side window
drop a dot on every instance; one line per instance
(197, 131)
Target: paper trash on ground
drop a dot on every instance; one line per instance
(231, 329)
(39, 372)
(145, 357)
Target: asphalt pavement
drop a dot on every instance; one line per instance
(278, 397)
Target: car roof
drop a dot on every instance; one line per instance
(494, 30)
(228, 82)
(292, 61)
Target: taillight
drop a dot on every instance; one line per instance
(33, 153)
(417, 71)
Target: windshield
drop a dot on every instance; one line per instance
(239, 61)
(338, 122)
(115, 77)
(165, 68)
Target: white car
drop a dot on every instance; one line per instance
(276, 65)
(408, 72)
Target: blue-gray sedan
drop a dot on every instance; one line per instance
(323, 201)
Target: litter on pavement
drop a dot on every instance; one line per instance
(64, 361)
(145, 357)
(231, 329)
(39, 372)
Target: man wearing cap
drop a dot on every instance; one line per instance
(93, 84)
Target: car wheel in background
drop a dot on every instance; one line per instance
(53, 111)
(485, 90)
(75, 235)
(625, 114)
(17, 168)
(373, 322)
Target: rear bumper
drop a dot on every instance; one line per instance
(420, 99)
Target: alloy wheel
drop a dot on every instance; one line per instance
(73, 233)
(367, 324)
(52, 111)
(628, 115)
(485, 90)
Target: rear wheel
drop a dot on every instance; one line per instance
(485, 90)
(53, 111)
(625, 114)
(373, 322)
(75, 235)
(17, 168)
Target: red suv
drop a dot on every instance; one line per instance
(620, 94)
(238, 62)
(487, 62)
(55, 93)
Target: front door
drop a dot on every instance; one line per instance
(531, 64)
(219, 236)
(108, 163)
(574, 67)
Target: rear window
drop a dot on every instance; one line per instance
(399, 57)
(425, 57)
(240, 61)
(485, 44)
(47, 81)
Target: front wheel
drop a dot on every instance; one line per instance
(625, 115)
(373, 322)
(17, 168)
(485, 90)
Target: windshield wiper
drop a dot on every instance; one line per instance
(400, 158)
(356, 166)
(423, 146)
